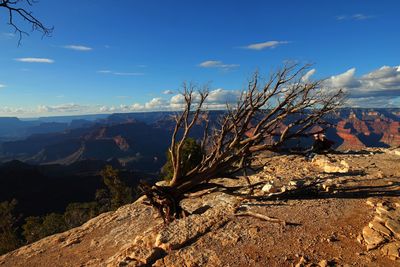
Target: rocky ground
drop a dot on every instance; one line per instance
(332, 210)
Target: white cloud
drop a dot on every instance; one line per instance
(210, 64)
(357, 16)
(49, 110)
(216, 99)
(128, 73)
(155, 103)
(124, 108)
(137, 106)
(217, 64)
(344, 80)
(62, 108)
(307, 76)
(264, 45)
(35, 60)
(378, 88)
(2, 85)
(121, 73)
(361, 17)
(373, 102)
(78, 47)
(222, 96)
(8, 35)
(6, 111)
(104, 71)
(168, 92)
(177, 101)
(104, 109)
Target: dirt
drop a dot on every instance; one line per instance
(318, 225)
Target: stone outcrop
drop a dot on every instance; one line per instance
(392, 135)
(121, 143)
(331, 166)
(384, 230)
(312, 219)
(350, 140)
(352, 129)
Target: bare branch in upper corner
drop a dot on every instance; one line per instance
(17, 10)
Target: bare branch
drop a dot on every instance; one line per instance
(15, 11)
(265, 117)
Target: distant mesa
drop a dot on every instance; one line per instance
(124, 136)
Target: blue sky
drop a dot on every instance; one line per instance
(126, 55)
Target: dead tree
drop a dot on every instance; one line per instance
(17, 10)
(265, 117)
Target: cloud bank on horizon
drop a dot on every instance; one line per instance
(378, 88)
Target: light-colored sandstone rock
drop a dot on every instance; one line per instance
(395, 214)
(360, 239)
(269, 188)
(381, 204)
(329, 166)
(381, 218)
(392, 250)
(190, 257)
(323, 263)
(174, 235)
(393, 226)
(370, 202)
(372, 237)
(303, 260)
(141, 253)
(383, 211)
(377, 226)
(395, 152)
(128, 236)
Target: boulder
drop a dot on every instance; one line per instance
(395, 151)
(393, 226)
(269, 188)
(323, 263)
(371, 202)
(372, 238)
(330, 166)
(392, 250)
(377, 226)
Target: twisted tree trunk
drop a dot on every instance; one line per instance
(265, 117)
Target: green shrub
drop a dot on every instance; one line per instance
(77, 214)
(8, 230)
(191, 157)
(36, 228)
(119, 193)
